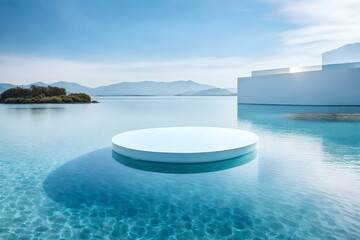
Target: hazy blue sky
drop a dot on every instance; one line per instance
(98, 42)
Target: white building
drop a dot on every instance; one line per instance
(335, 84)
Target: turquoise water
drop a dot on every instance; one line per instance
(59, 178)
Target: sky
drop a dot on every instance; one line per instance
(101, 42)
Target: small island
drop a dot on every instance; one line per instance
(39, 94)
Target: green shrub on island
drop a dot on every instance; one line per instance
(79, 97)
(38, 94)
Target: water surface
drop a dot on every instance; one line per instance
(59, 178)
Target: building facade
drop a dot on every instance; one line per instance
(335, 84)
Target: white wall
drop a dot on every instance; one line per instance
(327, 87)
(270, 72)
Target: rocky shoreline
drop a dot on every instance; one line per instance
(354, 117)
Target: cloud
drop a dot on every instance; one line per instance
(217, 71)
(321, 25)
(316, 27)
(26, 69)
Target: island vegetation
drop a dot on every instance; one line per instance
(39, 94)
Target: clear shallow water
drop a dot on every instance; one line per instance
(59, 179)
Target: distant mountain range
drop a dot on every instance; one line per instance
(209, 92)
(144, 88)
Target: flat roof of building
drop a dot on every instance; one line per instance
(305, 69)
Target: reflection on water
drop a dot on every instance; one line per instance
(334, 135)
(100, 177)
(32, 108)
(182, 168)
(96, 192)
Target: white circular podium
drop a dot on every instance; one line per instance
(184, 144)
